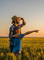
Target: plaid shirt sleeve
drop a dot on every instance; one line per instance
(21, 25)
(10, 35)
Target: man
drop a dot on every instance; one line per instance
(15, 22)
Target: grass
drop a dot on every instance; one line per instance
(32, 49)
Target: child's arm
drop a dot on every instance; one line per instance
(29, 32)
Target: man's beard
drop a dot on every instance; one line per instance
(17, 22)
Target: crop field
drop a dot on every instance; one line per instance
(32, 49)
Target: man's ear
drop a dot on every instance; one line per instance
(17, 21)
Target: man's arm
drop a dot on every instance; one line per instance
(17, 36)
(24, 23)
(29, 32)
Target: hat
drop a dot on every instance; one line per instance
(15, 17)
(16, 28)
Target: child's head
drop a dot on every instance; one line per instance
(16, 30)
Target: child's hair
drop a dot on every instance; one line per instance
(14, 32)
(15, 28)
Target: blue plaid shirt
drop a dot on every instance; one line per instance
(11, 29)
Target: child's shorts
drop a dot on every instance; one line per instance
(17, 53)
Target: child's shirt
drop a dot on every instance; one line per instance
(17, 43)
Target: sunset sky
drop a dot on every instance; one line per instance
(31, 10)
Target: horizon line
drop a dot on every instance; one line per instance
(24, 37)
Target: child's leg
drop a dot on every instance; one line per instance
(18, 55)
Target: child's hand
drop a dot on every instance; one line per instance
(36, 31)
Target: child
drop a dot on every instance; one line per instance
(17, 40)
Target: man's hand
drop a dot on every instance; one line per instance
(17, 36)
(21, 18)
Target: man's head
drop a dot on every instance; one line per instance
(15, 19)
(16, 30)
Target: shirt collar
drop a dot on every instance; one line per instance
(14, 25)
